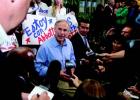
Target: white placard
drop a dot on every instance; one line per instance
(37, 29)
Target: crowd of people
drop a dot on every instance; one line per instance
(98, 62)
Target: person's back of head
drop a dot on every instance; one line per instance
(111, 2)
(90, 89)
(21, 59)
(19, 63)
(99, 8)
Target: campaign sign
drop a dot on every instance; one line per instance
(37, 29)
(43, 9)
(71, 19)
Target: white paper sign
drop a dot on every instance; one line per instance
(43, 9)
(37, 29)
(71, 19)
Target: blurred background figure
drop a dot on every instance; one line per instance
(37, 7)
(12, 14)
(57, 9)
(97, 22)
(22, 59)
(109, 14)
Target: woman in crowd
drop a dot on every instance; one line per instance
(89, 89)
(57, 9)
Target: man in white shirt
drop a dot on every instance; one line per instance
(12, 13)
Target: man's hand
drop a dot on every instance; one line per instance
(63, 75)
(75, 80)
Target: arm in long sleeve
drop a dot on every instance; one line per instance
(41, 61)
(72, 56)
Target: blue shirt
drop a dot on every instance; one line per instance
(51, 50)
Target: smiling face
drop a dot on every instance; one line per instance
(61, 31)
(13, 12)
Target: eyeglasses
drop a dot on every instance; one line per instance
(125, 32)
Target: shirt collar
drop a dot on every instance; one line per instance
(82, 36)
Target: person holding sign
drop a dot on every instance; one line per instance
(57, 9)
(38, 7)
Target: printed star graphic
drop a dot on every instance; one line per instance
(28, 40)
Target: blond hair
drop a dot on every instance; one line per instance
(54, 7)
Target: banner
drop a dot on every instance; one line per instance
(43, 9)
(37, 29)
(71, 19)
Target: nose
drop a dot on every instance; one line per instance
(62, 32)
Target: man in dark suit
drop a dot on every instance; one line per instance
(109, 14)
(82, 50)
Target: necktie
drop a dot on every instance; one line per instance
(85, 41)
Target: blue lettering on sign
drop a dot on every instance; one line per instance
(45, 21)
(72, 27)
(37, 24)
(36, 27)
(38, 33)
(35, 8)
(69, 21)
(27, 31)
(43, 11)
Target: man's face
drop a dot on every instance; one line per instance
(20, 9)
(13, 12)
(61, 31)
(84, 28)
(126, 32)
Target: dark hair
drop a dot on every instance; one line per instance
(52, 76)
(99, 7)
(22, 59)
(84, 20)
(90, 89)
(22, 71)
